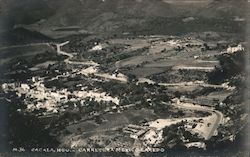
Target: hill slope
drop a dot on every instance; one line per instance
(128, 15)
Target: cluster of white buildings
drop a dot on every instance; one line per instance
(37, 96)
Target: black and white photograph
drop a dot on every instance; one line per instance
(124, 78)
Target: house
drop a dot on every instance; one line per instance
(235, 49)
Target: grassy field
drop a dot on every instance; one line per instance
(21, 52)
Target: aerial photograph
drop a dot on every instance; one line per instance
(124, 78)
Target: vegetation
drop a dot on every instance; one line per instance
(231, 65)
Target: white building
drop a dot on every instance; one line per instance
(25, 87)
(235, 49)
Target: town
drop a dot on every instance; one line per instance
(123, 78)
(92, 89)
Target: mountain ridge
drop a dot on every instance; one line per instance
(123, 15)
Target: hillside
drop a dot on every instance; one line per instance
(117, 16)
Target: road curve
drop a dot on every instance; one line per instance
(219, 115)
(67, 60)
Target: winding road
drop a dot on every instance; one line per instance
(194, 107)
(186, 84)
(70, 56)
(219, 115)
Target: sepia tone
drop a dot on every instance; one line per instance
(124, 78)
